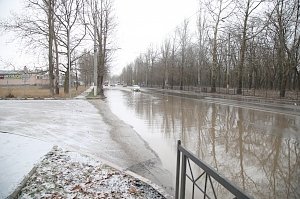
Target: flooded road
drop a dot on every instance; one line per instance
(257, 150)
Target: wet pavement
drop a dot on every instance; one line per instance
(134, 153)
(18, 155)
(83, 127)
(254, 146)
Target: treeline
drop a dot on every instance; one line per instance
(251, 44)
(61, 29)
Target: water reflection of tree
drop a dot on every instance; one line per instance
(250, 147)
(240, 143)
(213, 134)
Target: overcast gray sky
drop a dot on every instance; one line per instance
(140, 24)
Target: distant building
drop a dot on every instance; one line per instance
(16, 78)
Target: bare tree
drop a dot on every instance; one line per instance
(100, 15)
(201, 38)
(246, 50)
(184, 40)
(55, 40)
(286, 23)
(151, 57)
(165, 51)
(219, 11)
(68, 16)
(50, 14)
(173, 60)
(247, 8)
(86, 67)
(36, 27)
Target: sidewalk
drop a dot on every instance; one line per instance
(84, 94)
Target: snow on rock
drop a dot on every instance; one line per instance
(65, 174)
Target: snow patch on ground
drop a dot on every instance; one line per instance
(65, 174)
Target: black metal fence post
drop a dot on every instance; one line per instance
(177, 170)
(183, 178)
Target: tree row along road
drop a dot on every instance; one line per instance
(252, 44)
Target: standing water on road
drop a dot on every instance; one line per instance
(257, 150)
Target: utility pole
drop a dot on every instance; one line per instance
(95, 52)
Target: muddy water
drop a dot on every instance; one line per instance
(257, 150)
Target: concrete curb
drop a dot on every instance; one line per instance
(22, 184)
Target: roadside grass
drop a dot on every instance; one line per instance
(36, 92)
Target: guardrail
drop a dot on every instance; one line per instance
(208, 173)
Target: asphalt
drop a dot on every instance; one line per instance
(29, 129)
(115, 142)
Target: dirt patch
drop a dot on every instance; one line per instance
(35, 92)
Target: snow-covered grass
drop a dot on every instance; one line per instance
(65, 174)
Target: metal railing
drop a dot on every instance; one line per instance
(208, 173)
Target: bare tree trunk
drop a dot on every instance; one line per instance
(76, 78)
(50, 43)
(247, 12)
(217, 14)
(68, 72)
(165, 53)
(281, 49)
(56, 68)
(183, 34)
(215, 61)
(242, 51)
(66, 83)
(172, 63)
